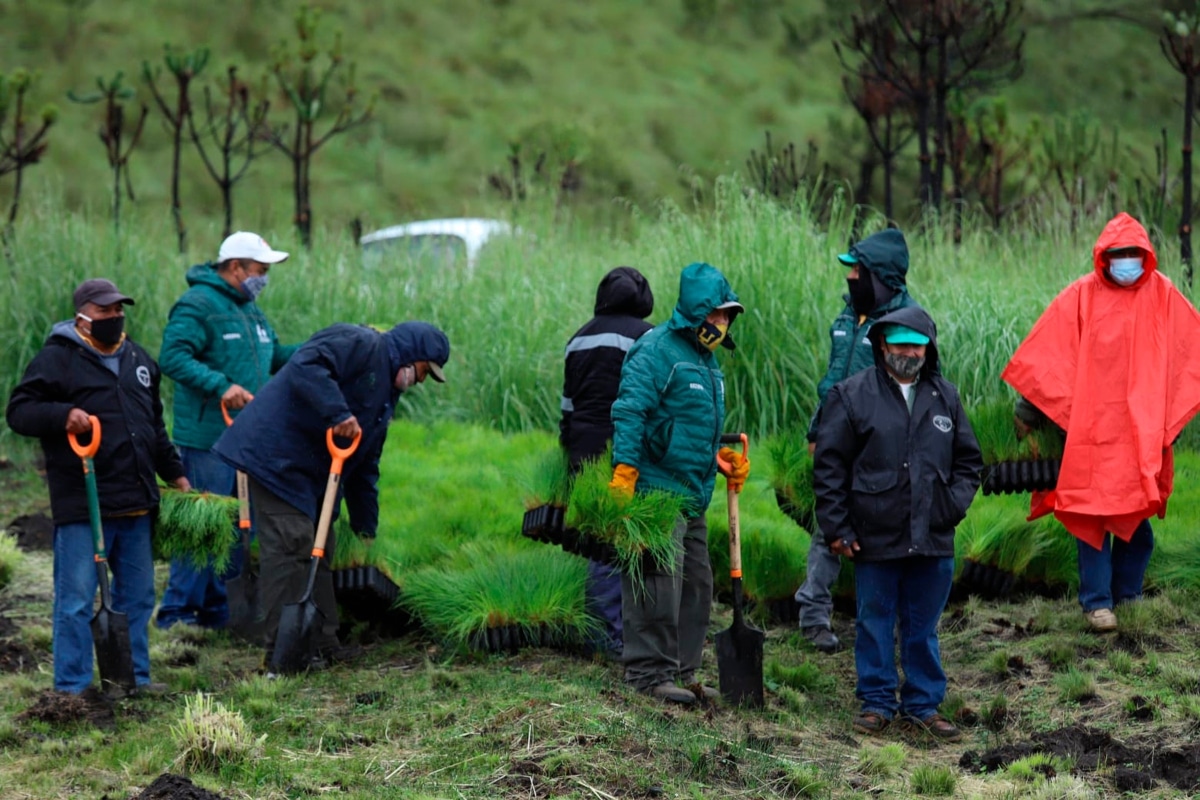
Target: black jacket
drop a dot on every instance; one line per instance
(134, 445)
(896, 482)
(279, 437)
(593, 362)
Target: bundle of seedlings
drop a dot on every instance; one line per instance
(10, 557)
(547, 486)
(500, 596)
(636, 528)
(195, 527)
(791, 475)
(1013, 464)
(1002, 551)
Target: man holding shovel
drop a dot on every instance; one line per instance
(90, 368)
(219, 349)
(667, 428)
(345, 379)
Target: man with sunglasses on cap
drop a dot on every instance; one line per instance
(90, 367)
(876, 279)
(219, 348)
(895, 469)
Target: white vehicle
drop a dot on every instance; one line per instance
(441, 241)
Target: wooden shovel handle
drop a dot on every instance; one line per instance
(339, 455)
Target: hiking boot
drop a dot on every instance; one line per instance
(702, 692)
(936, 726)
(822, 638)
(1101, 619)
(870, 722)
(150, 690)
(670, 693)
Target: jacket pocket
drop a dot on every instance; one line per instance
(874, 501)
(658, 442)
(944, 511)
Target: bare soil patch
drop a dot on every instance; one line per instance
(62, 708)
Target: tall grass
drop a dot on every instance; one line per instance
(509, 320)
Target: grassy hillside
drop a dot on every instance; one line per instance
(645, 95)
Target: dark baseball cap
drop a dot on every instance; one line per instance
(100, 291)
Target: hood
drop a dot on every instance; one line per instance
(885, 256)
(624, 291)
(913, 317)
(206, 275)
(1124, 231)
(416, 341)
(702, 288)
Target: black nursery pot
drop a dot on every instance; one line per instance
(544, 523)
(1013, 477)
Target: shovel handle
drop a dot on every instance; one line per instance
(339, 455)
(88, 450)
(225, 412)
(735, 533)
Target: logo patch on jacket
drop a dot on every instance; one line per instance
(262, 334)
(143, 376)
(943, 424)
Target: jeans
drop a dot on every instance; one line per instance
(815, 595)
(914, 591)
(127, 540)
(602, 599)
(666, 620)
(1114, 573)
(196, 596)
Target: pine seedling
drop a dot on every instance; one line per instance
(547, 480)
(196, 527)
(639, 527)
(792, 472)
(931, 780)
(882, 762)
(210, 736)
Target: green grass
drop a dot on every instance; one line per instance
(10, 558)
(196, 527)
(933, 781)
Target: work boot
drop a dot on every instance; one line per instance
(699, 689)
(670, 693)
(1101, 619)
(937, 726)
(151, 689)
(822, 638)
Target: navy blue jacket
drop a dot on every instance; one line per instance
(895, 481)
(279, 438)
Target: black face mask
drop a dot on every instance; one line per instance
(107, 331)
(862, 294)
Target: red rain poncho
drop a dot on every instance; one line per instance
(1118, 368)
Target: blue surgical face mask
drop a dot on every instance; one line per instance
(1125, 271)
(253, 285)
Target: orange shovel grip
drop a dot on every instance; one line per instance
(88, 450)
(340, 454)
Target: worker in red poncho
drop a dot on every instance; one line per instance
(1115, 362)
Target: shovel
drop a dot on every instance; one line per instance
(740, 648)
(110, 629)
(242, 589)
(293, 641)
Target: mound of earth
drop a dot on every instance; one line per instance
(33, 532)
(175, 787)
(14, 657)
(63, 708)
(1137, 764)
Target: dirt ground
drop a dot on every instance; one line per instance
(172, 787)
(1139, 764)
(60, 708)
(14, 656)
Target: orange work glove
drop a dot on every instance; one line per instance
(623, 481)
(734, 466)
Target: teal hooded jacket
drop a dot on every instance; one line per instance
(215, 337)
(671, 404)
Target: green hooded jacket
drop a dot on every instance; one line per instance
(671, 404)
(215, 337)
(885, 256)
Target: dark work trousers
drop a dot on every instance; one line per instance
(666, 621)
(285, 543)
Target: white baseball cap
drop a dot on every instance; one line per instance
(251, 247)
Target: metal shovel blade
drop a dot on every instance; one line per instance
(297, 623)
(740, 664)
(110, 632)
